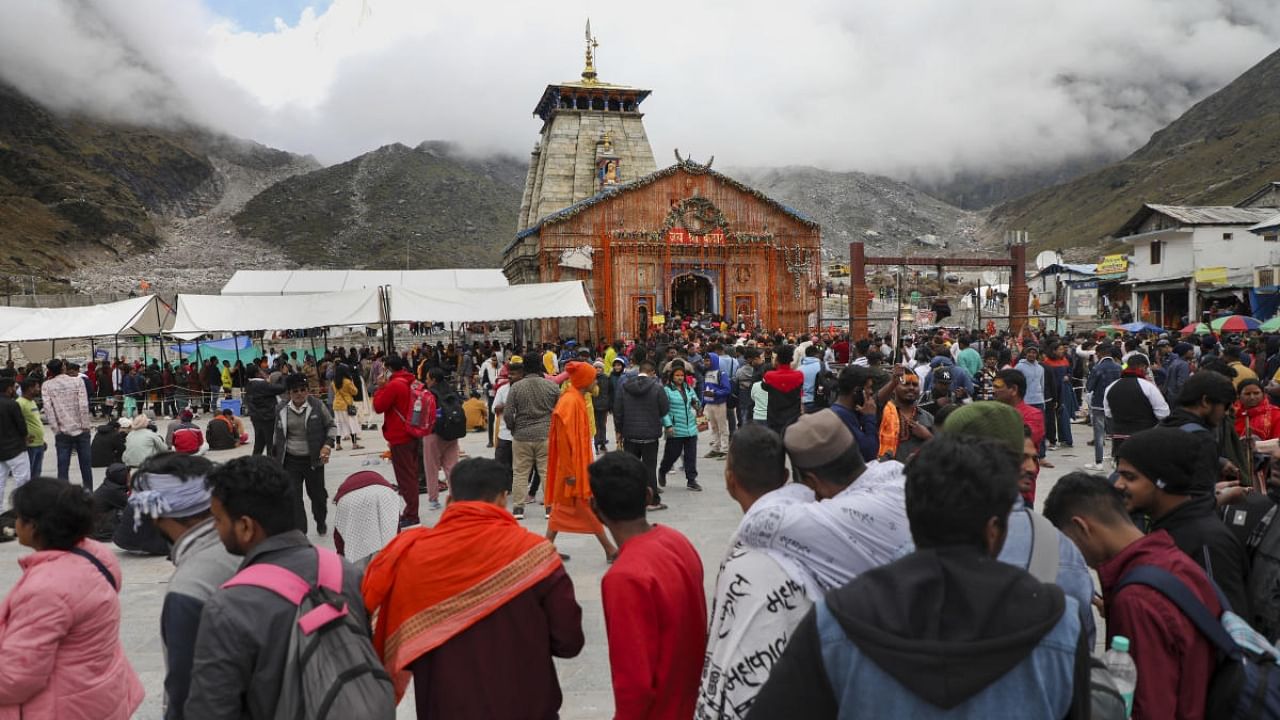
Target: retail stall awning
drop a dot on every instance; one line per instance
(231, 313)
(516, 302)
(305, 282)
(145, 315)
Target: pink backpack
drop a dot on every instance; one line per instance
(422, 416)
(331, 669)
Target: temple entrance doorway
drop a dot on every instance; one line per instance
(691, 294)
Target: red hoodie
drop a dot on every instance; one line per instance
(391, 397)
(1174, 660)
(783, 385)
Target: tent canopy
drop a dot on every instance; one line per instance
(222, 313)
(145, 315)
(516, 302)
(303, 282)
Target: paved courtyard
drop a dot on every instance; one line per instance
(707, 518)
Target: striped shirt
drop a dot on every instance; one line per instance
(66, 405)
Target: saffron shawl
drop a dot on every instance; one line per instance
(430, 584)
(569, 452)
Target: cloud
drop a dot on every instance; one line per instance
(926, 88)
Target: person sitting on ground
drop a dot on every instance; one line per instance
(109, 502)
(1006, 643)
(430, 629)
(142, 442)
(477, 412)
(1174, 661)
(107, 447)
(185, 436)
(366, 515)
(221, 431)
(60, 623)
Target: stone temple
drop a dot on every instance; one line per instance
(651, 245)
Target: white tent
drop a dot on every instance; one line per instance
(222, 313)
(304, 282)
(516, 302)
(145, 315)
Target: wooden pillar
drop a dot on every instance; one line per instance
(859, 295)
(1018, 293)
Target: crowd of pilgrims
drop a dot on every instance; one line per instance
(893, 558)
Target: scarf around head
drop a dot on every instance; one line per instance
(160, 496)
(429, 584)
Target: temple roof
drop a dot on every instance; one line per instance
(685, 166)
(548, 103)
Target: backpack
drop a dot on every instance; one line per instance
(331, 669)
(422, 417)
(451, 419)
(825, 389)
(1246, 683)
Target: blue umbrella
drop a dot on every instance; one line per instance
(1137, 327)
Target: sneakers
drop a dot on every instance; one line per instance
(518, 512)
(434, 505)
(1051, 446)
(694, 486)
(662, 480)
(409, 522)
(713, 455)
(321, 529)
(1095, 467)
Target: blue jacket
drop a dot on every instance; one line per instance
(882, 645)
(717, 385)
(1105, 372)
(1034, 373)
(1178, 372)
(810, 367)
(865, 429)
(683, 413)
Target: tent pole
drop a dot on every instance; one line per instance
(160, 331)
(144, 349)
(314, 356)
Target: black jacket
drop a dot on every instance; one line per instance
(13, 429)
(107, 446)
(1197, 531)
(321, 430)
(945, 623)
(262, 398)
(639, 408)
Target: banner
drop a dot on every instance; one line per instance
(1112, 264)
(1212, 275)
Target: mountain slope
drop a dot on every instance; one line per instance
(82, 197)
(428, 206)
(885, 213)
(1221, 150)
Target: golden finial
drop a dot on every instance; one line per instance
(589, 72)
(607, 141)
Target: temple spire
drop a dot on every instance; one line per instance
(589, 72)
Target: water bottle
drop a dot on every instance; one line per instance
(417, 412)
(1123, 671)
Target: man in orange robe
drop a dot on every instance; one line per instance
(569, 452)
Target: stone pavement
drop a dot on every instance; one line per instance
(708, 518)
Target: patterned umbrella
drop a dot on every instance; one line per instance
(1196, 329)
(1272, 325)
(1235, 323)
(1109, 329)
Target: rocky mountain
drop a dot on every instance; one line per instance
(888, 215)
(1217, 153)
(83, 198)
(982, 190)
(429, 206)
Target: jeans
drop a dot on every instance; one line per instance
(64, 445)
(648, 454)
(305, 477)
(1099, 433)
(602, 428)
(502, 453)
(673, 449)
(35, 457)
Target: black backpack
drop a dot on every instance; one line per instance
(451, 420)
(825, 389)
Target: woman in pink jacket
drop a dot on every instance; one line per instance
(60, 625)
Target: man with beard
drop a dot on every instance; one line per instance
(904, 427)
(1160, 473)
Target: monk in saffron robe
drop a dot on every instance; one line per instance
(569, 451)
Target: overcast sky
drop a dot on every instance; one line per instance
(899, 87)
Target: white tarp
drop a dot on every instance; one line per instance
(223, 313)
(144, 315)
(516, 302)
(304, 282)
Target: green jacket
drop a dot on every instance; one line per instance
(683, 415)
